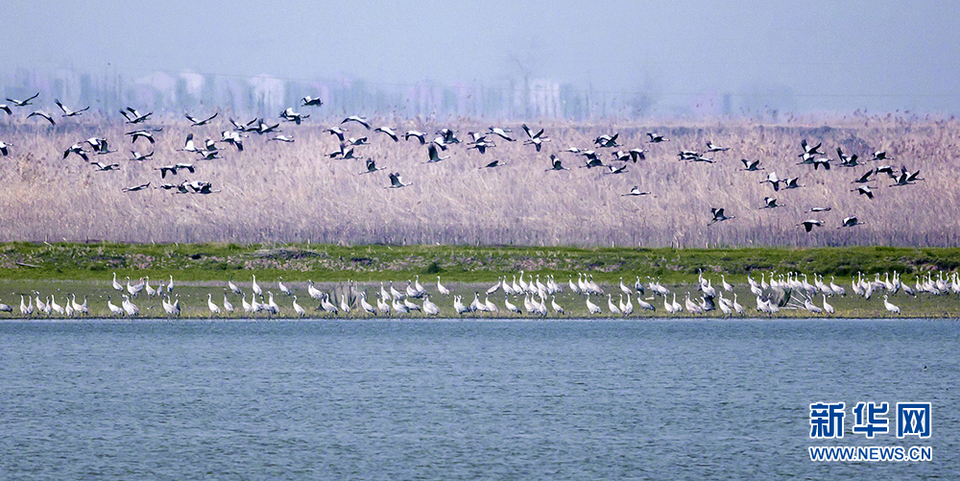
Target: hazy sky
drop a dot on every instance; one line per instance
(833, 55)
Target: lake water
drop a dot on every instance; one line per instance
(462, 400)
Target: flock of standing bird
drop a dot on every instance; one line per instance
(520, 294)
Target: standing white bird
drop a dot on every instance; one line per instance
(313, 291)
(441, 289)
(668, 306)
(116, 311)
(489, 306)
(400, 307)
(344, 305)
(54, 306)
(256, 287)
(891, 308)
(459, 307)
(827, 307)
(271, 306)
(510, 306)
(382, 305)
(626, 308)
(691, 306)
(556, 307)
(129, 307)
(366, 306)
(283, 288)
(214, 308)
(593, 308)
(233, 287)
(737, 307)
(328, 306)
(227, 306)
(297, 308)
(429, 308)
(150, 290)
(644, 304)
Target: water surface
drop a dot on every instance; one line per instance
(452, 400)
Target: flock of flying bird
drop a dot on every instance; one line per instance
(773, 293)
(616, 162)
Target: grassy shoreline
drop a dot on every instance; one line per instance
(62, 269)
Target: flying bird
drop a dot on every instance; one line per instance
(770, 203)
(22, 103)
(136, 188)
(76, 149)
(358, 119)
(773, 180)
(591, 162)
(290, 116)
(371, 167)
(718, 215)
(99, 145)
(188, 145)
(847, 161)
(41, 113)
(617, 170)
(265, 128)
(141, 134)
(396, 182)
(343, 152)
(851, 221)
(502, 133)
(634, 192)
(421, 136)
(309, 101)
(807, 150)
(231, 137)
(863, 179)
(4, 147)
(389, 132)
(809, 223)
(101, 167)
(607, 140)
(434, 155)
(751, 166)
(70, 113)
(656, 138)
(198, 122)
(711, 147)
(482, 145)
(134, 117)
(137, 156)
(864, 190)
(336, 131)
(821, 162)
(556, 163)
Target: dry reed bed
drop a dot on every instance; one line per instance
(274, 191)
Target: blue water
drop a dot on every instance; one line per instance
(463, 400)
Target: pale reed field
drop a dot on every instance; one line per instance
(294, 192)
